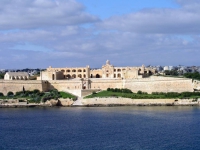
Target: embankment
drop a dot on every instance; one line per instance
(139, 102)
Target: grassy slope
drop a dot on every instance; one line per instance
(137, 96)
(67, 95)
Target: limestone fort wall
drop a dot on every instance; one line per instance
(105, 83)
(17, 85)
(160, 85)
(153, 84)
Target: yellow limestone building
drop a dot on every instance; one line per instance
(107, 71)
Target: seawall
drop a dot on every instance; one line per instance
(141, 102)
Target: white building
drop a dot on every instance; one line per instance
(16, 76)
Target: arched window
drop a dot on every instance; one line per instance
(73, 70)
(91, 76)
(68, 76)
(84, 70)
(80, 76)
(119, 75)
(68, 70)
(114, 75)
(97, 76)
(79, 70)
(73, 76)
(63, 70)
(119, 70)
(84, 76)
(114, 70)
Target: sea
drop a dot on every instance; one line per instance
(100, 128)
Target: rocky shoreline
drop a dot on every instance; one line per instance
(48, 103)
(103, 102)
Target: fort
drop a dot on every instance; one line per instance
(82, 81)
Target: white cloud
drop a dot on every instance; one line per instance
(151, 36)
(25, 14)
(184, 20)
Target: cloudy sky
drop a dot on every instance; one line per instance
(70, 33)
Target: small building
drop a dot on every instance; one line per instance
(16, 76)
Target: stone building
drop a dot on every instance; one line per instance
(16, 76)
(107, 71)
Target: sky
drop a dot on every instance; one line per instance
(77, 33)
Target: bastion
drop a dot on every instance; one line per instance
(82, 81)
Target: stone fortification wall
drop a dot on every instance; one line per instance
(105, 83)
(63, 85)
(160, 84)
(17, 85)
(153, 84)
(88, 92)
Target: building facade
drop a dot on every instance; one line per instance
(16, 76)
(107, 71)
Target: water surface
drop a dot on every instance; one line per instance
(142, 128)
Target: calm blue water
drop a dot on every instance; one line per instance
(145, 128)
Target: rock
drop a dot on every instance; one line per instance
(54, 102)
(51, 102)
(65, 102)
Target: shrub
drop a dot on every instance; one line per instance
(36, 91)
(10, 93)
(144, 93)
(139, 92)
(1, 94)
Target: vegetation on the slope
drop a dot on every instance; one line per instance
(36, 96)
(143, 95)
(2, 75)
(171, 72)
(195, 75)
(119, 90)
(67, 95)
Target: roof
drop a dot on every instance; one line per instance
(17, 73)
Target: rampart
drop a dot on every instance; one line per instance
(160, 84)
(17, 85)
(76, 86)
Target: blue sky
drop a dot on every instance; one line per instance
(76, 33)
(108, 8)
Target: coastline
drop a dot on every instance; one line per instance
(106, 102)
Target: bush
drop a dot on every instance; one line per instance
(139, 92)
(1, 94)
(19, 93)
(36, 91)
(108, 89)
(10, 93)
(119, 90)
